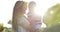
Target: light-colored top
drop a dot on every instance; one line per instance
(22, 20)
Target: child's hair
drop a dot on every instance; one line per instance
(32, 3)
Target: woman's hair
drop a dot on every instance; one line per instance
(19, 5)
(16, 9)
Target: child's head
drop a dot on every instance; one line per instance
(32, 5)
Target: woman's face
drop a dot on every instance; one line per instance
(24, 8)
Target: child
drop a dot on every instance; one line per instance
(35, 21)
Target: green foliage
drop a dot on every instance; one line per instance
(52, 19)
(1, 27)
(10, 22)
(55, 28)
(8, 29)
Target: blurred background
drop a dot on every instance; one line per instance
(48, 9)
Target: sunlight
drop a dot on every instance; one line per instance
(51, 12)
(43, 25)
(38, 11)
(6, 25)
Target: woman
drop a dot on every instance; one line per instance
(19, 21)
